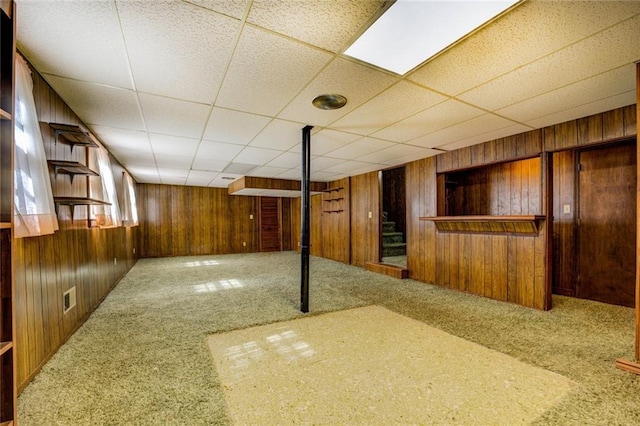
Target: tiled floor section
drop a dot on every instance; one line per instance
(373, 366)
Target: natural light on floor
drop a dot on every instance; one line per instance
(220, 285)
(202, 263)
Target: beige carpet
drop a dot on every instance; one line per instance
(373, 366)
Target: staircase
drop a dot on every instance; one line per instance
(392, 244)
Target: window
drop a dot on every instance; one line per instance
(34, 209)
(129, 207)
(106, 216)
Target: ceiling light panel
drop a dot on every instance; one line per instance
(87, 32)
(326, 24)
(279, 134)
(357, 82)
(175, 37)
(267, 71)
(116, 108)
(396, 103)
(173, 116)
(571, 64)
(410, 31)
(233, 126)
(528, 32)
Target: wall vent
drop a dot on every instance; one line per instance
(69, 300)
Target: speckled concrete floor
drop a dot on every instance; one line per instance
(373, 366)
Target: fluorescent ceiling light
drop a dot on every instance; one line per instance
(412, 31)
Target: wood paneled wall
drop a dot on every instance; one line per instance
(336, 227)
(365, 230)
(190, 220)
(91, 259)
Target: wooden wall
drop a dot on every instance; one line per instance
(365, 230)
(336, 227)
(91, 259)
(189, 220)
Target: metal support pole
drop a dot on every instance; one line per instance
(304, 237)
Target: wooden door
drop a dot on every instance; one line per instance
(607, 227)
(270, 224)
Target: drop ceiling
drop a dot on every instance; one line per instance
(200, 92)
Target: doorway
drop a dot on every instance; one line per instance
(270, 224)
(393, 240)
(606, 224)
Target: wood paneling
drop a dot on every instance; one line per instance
(365, 219)
(270, 224)
(335, 226)
(91, 259)
(564, 223)
(184, 220)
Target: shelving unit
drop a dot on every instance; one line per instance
(333, 200)
(71, 168)
(73, 135)
(7, 352)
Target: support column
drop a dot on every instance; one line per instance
(304, 237)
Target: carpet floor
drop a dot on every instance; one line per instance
(142, 357)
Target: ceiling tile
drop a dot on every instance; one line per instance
(233, 126)
(168, 161)
(400, 101)
(435, 118)
(279, 134)
(175, 39)
(174, 117)
(208, 165)
(388, 155)
(359, 148)
(134, 141)
(355, 81)
(325, 176)
(602, 86)
(173, 173)
(268, 171)
(233, 8)
(531, 31)
(267, 71)
(257, 156)
(322, 163)
(347, 167)
(100, 105)
(411, 157)
(218, 151)
(476, 127)
(223, 180)
(607, 104)
(327, 140)
(133, 158)
(144, 174)
(287, 160)
(173, 145)
(486, 136)
(87, 32)
(327, 24)
(200, 178)
(290, 174)
(239, 168)
(594, 55)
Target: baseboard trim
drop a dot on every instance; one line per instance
(630, 366)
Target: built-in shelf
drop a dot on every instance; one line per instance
(518, 225)
(4, 115)
(70, 168)
(332, 211)
(73, 135)
(333, 199)
(5, 225)
(333, 189)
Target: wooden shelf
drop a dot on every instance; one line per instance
(4, 115)
(332, 211)
(5, 346)
(514, 225)
(333, 199)
(339, 188)
(71, 168)
(77, 201)
(5, 225)
(73, 135)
